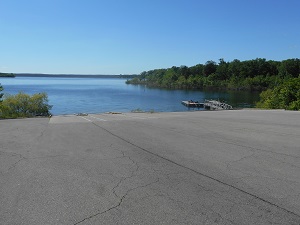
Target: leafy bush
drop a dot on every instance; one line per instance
(284, 96)
(24, 105)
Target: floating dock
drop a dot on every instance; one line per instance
(192, 104)
(216, 105)
(208, 104)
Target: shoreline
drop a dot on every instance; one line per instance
(147, 112)
(73, 75)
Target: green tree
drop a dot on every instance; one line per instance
(181, 82)
(284, 96)
(24, 105)
(185, 71)
(222, 70)
(209, 68)
(197, 70)
(290, 67)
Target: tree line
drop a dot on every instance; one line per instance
(257, 74)
(7, 75)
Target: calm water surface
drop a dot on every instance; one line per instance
(98, 95)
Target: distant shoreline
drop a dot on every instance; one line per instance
(72, 75)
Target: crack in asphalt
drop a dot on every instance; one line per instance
(125, 178)
(119, 203)
(199, 173)
(21, 157)
(229, 164)
(118, 185)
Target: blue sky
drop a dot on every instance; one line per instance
(131, 36)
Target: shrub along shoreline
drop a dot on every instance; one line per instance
(284, 96)
(23, 105)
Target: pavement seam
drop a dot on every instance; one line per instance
(197, 172)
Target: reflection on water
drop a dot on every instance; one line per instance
(98, 95)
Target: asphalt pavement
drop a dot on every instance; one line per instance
(196, 167)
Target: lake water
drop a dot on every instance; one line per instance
(99, 95)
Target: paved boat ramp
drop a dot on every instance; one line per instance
(225, 167)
